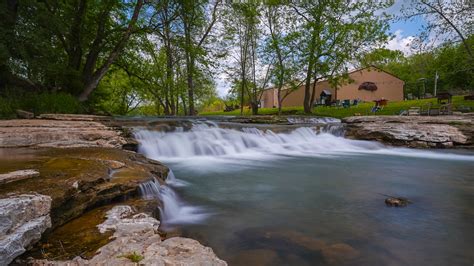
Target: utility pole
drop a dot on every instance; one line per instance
(436, 82)
(424, 88)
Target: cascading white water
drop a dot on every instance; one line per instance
(312, 120)
(207, 146)
(208, 140)
(174, 182)
(173, 210)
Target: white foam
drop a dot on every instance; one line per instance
(207, 142)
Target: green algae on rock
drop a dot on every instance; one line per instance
(78, 179)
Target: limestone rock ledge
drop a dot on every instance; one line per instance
(414, 131)
(23, 218)
(136, 236)
(58, 133)
(18, 175)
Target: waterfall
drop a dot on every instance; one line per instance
(173, 181)
(173, 210)
(206, 140)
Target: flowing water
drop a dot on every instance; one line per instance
(310, 197)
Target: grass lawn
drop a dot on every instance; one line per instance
(393, 108)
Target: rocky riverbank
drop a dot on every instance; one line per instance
(135, 240)
(76, 168)
(414, 131)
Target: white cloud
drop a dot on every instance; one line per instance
(222, 84)
(400, 42)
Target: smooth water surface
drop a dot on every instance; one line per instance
(311, 198)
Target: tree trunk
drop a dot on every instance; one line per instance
(94, 52)
(280, 100)
(190, 69)
(309, 73)
(313, 92)
(254, 106)
(189, 65)
(75, 39)
(7, 23)
(100, 73)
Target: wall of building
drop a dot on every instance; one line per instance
(388, 87)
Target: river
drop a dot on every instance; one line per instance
(312, 197)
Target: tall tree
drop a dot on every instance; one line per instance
(91, 81)
(333, 32)
(242, 28)
(281, 49)
(66, 46)
(196, 31)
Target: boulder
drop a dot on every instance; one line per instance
(18, 175)
(136, 240)
(23, 219)
(24, 114)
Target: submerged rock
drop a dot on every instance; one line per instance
(23, 218)
(261, 257)
(136, 240)
(396, 202)
(18, 175)
(339, 253)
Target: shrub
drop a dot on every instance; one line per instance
(38, 103)
(7, 110)
(55, 103)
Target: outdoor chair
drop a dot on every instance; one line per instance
(346, 103)
(336, 103)
(425, 109)
(446, 109)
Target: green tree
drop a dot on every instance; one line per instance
(332, 34)
(66, 46)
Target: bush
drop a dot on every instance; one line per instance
(53, 103)
(39, 103)
(6, 108)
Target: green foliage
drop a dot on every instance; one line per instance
(118, 93)
(39, 103)
(451, 61)
(393, 108)
(133, 257)
(7, 109)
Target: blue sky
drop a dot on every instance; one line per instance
(404, 31)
